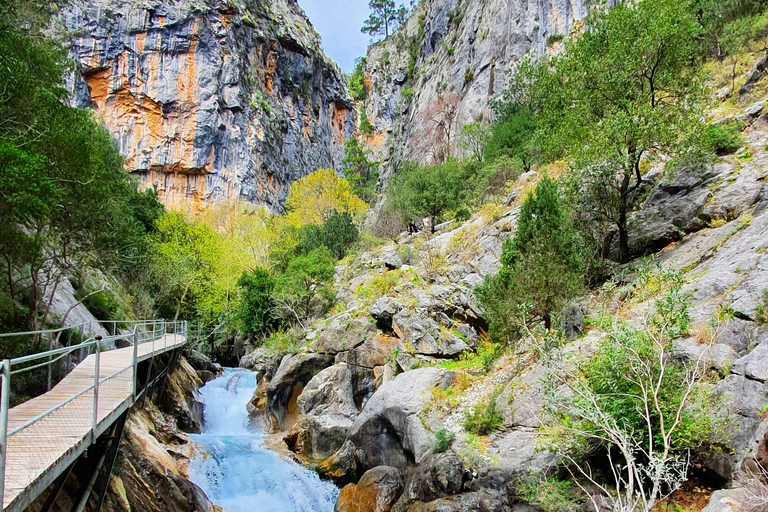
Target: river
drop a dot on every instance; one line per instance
(236, 471)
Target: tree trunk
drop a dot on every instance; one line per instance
(432, 224)
(623, 237)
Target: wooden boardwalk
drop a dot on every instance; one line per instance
(40, 452)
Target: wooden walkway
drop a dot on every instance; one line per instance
(40, 452)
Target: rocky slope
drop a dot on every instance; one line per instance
(210, 100)
(442, 69)
(396, 362)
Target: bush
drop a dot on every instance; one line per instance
(554, 38)
(283, 342)
(356, 80)
(550, 494)
(443, 440)
(306, 288)
(484, 419)
(462, 214)
(726, 138)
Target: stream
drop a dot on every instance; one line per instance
(235, 470)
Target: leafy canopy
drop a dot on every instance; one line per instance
(312, 198)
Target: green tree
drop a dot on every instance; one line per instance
(356, 79)
(338, 233)
(66, 202)
(306, 287)
(512, 135)
(541, 268)
(621, 91)
(386, 16)
(429, 190)
(359, 170)
(256, 308)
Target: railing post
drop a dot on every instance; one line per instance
(50, 370)
(4, 406)
(96, 388)
(135, 362)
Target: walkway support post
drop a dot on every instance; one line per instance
(96, 389)
(135, 362)
(4, 406)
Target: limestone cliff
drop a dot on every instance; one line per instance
(210, 100)
(442, 69)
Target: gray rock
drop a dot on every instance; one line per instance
(485, 500)
(294, 373)
(193, 111)
(422, 335)
(746, 400)
(573, 321)
(344, 333)
(204, 366)
(718, 356)
(436, 476)
(755, 75)
(330, 402)
(385, 308)
(389, 431)
(377, 491)
(728, 500)
(754, 365)
(755, 109)
(264, 363)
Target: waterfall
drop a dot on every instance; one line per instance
(236, 471)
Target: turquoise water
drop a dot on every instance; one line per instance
(236, 471)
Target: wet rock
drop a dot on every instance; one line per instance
(389, 431)
(264, 363)
(204, 366)
(377, 491)
(284, 388)
(181, 398)
(341, 467)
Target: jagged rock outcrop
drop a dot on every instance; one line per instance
(442, 69)
(210, 100)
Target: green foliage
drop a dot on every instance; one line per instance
(366, 128)
(550, 494)
(65, 201)
(623, 89)
(384, 18)
(430, 190)
(356, 80)
(443, 440)
(338, 233)
(484, 418)
(256, 306)
(306, 287)
(512, 136)
(541, 267)
(554, 38)
(283, 342)
(359, 170)
(726, 138)
(728, 25)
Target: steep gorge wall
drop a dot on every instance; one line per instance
(446, 65)
(210, 100)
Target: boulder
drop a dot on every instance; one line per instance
(330, 402)
(377, 491)
(389, 431)
(341, 467)
(261, 361)
(485, 500)
(294, 372)
(729, 500)
(437, 476)
(376, 350)
(204, 366)
(718, 356)
(755, 75)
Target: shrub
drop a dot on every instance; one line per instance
(463, 214)
(443, 440)
(283, 342)
(484, 418)
(550, 494)
(554, 38)
(356, 80)
(726, 138)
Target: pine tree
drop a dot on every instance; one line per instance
(541, 267)
(386, 16)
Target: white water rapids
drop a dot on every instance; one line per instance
(236, 471)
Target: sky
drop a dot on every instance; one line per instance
(339, 22)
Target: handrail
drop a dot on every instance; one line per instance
(75, 326)
(153, 330)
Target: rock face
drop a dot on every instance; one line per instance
(377, 491)
(442, 68)
(210, 100)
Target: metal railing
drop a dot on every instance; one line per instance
(56, 363)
